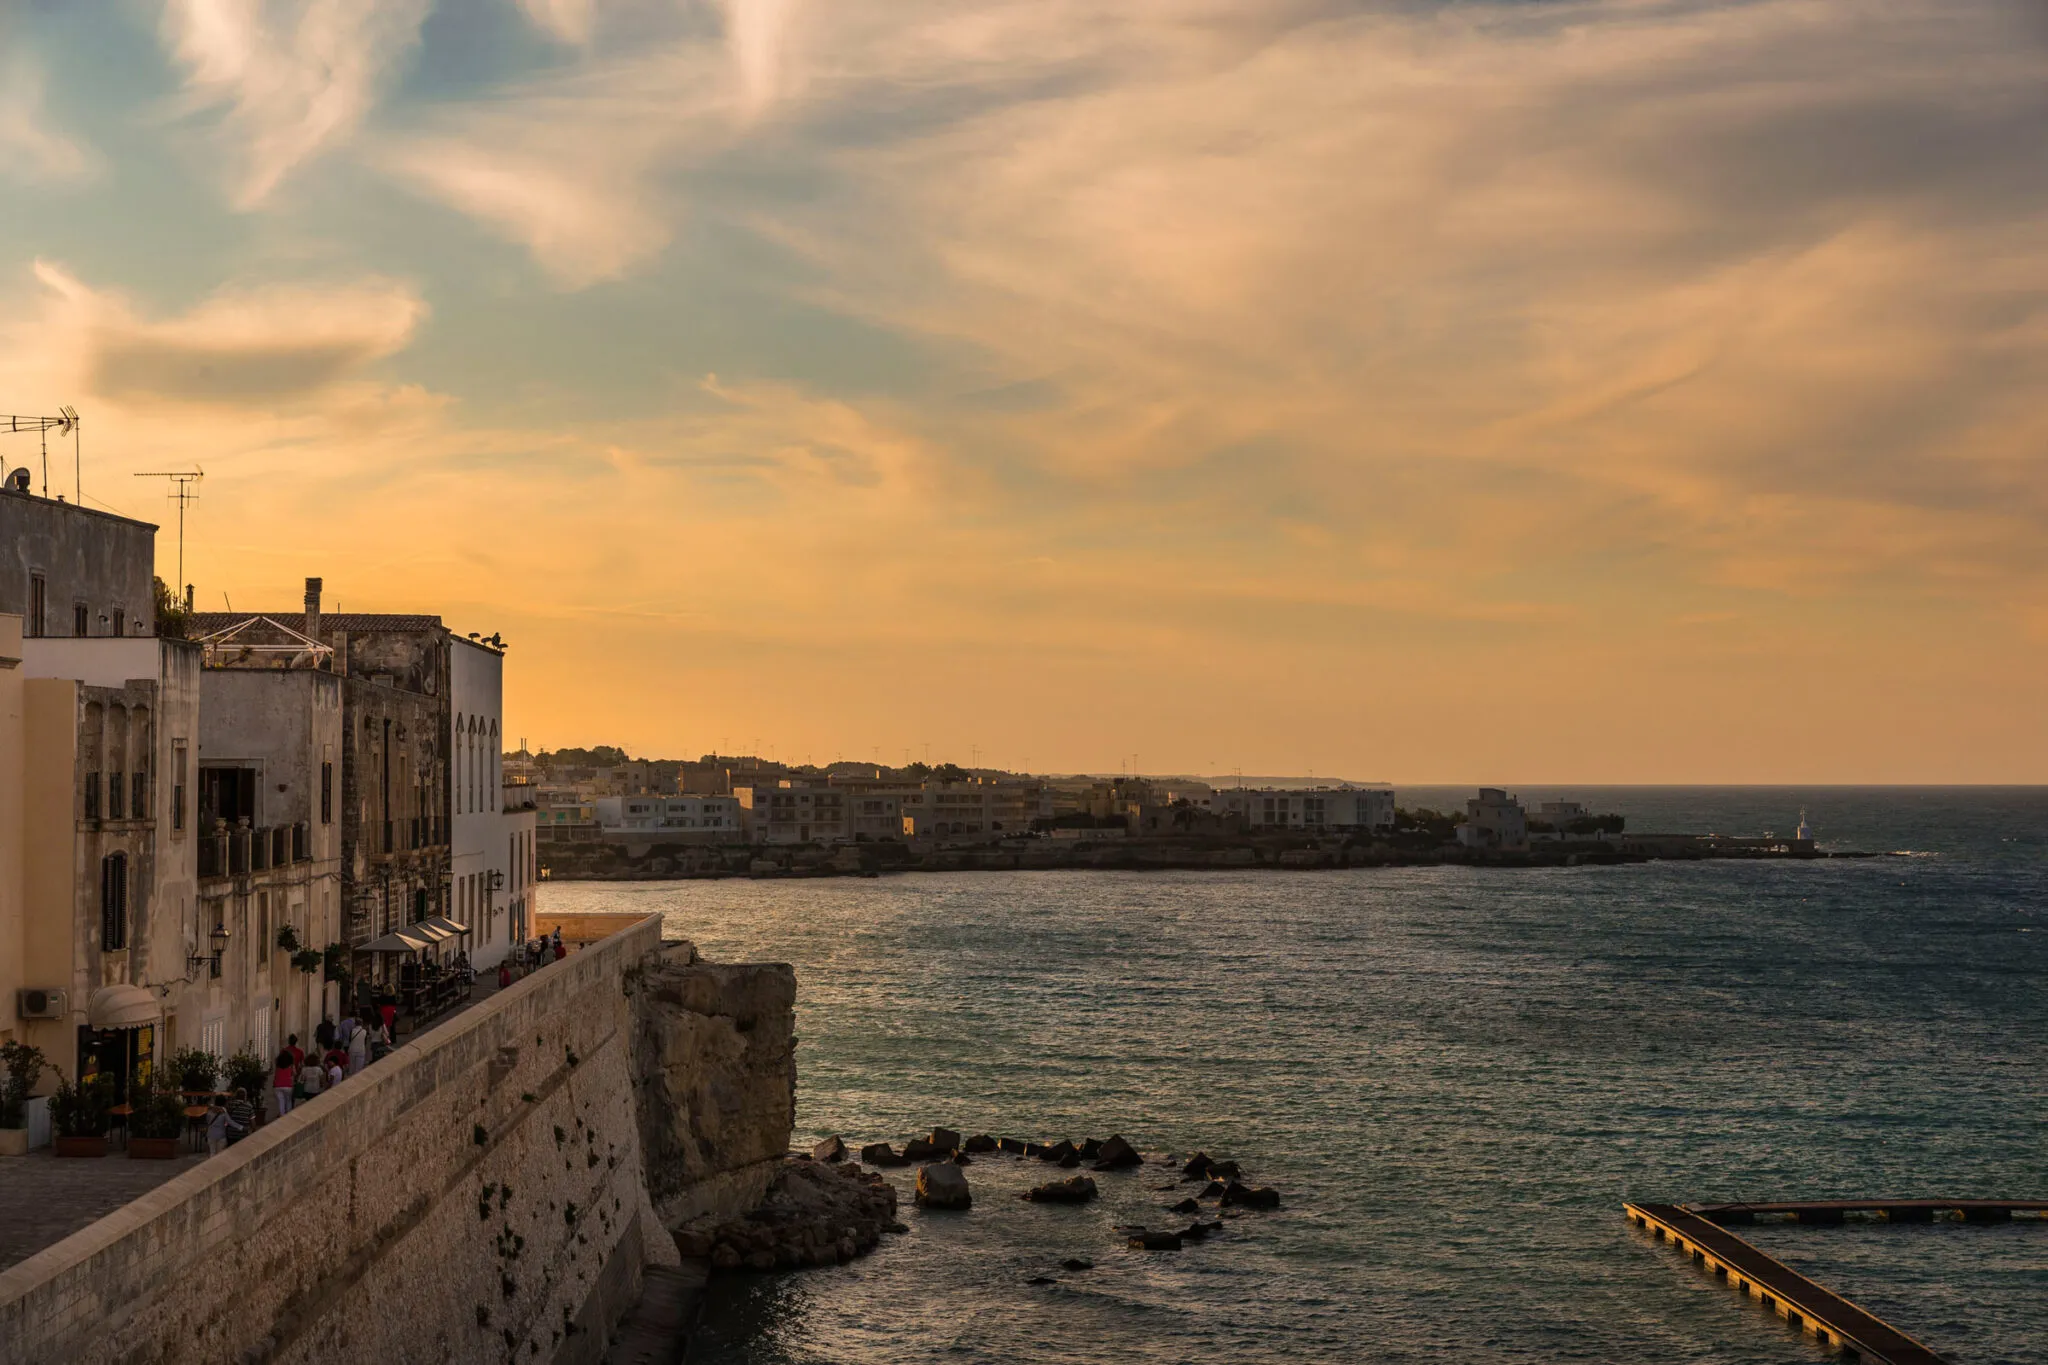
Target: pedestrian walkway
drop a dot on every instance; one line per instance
(47, 1198)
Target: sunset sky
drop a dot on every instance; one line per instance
(1618, 390)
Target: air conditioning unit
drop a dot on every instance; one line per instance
(31, 1003)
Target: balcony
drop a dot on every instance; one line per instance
(241, 851)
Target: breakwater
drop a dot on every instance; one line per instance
(494, 1189)
(624, 860)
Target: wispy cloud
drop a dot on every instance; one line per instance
(294, 78)
(31, 149)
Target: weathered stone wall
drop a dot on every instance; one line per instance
(480, 1195)
(715, 1065)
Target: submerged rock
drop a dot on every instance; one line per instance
(943, 1186)
(1185, 1206)
(1077, 1189)
(1213, 1190)
(1076, 1263)
(1156, 1241)
(1070, 1160)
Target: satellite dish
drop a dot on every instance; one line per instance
(18, 480)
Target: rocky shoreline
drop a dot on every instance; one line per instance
(827, 1206)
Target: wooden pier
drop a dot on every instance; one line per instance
(1829, 1212)
(1801, 1302)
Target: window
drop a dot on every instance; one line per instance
(116, 803)
(38, 605)
(138, 795)
(326, 793)
(81, 620)
(178, 785)
(120, 621)
(92, 796)
(113, 902)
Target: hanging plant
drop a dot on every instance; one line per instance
(336, 961)
(309, 960)
(287, 938)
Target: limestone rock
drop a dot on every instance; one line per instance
(943, 1186)
(1117, 1155)
(813, 1215)
(831, 1149)
(1077, 1189)
(1261, 1198)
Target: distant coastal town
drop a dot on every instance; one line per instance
(602, 815)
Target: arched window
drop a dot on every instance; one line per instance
(459, 808)
(491, 768)
(113, 902)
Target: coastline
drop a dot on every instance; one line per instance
(620, 861)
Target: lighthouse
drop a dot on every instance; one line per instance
(1804, 834)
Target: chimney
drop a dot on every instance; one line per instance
(313, 608)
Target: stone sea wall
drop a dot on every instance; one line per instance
(480, 1195)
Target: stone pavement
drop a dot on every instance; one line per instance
(44, 1199)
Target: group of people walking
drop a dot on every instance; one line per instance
(340, 1051)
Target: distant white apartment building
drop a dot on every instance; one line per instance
(1493, 819)
(1311, 808)
(695, 819)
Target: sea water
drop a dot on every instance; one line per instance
(1454, 1076)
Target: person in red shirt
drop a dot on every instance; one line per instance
(504, 975)
(287, 1070)
(291, 1044)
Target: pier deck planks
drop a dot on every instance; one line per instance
(1826, 1314)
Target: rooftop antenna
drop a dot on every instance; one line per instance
(65, 421)
(181, 490)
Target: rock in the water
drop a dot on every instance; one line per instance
(1090, 1149)
(1034, 1148)
(1014, 1146)
(882, 1154)
(1225, 1170)
(1213, 1190)
(831, 1149)
(1077, 1189)
(1041, 1279)
(942, 1186)
(1070, 1160)
(1156, 1241)
(961, 1159)
(1076, 1263)
(1059, 1151)
(1197, 1230)
(1260, 1198)
(813, 1215)
(945, 1139)
(980, 1142)
(917, 1149)
(1198, 1164)
(1116, 1155)
(1186, 1206)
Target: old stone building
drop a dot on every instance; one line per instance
(393, 801)
(108, 951)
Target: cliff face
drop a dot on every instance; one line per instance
(714, 1064)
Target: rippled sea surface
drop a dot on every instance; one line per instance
(1454, 1076)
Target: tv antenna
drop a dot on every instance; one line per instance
(66, 421)
(181, 490)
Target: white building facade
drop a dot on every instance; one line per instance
(1309, 808)
(697, 819)
(489, 862)
(1493, 819)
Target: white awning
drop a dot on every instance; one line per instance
(406, 940)
(445, 927)
(123, 1007)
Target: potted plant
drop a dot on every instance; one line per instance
(288, 938)
(309, 960)
(249, 1074)
(79, 1114)
(196, 1069)
(157, 1119)
(24, 1066)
